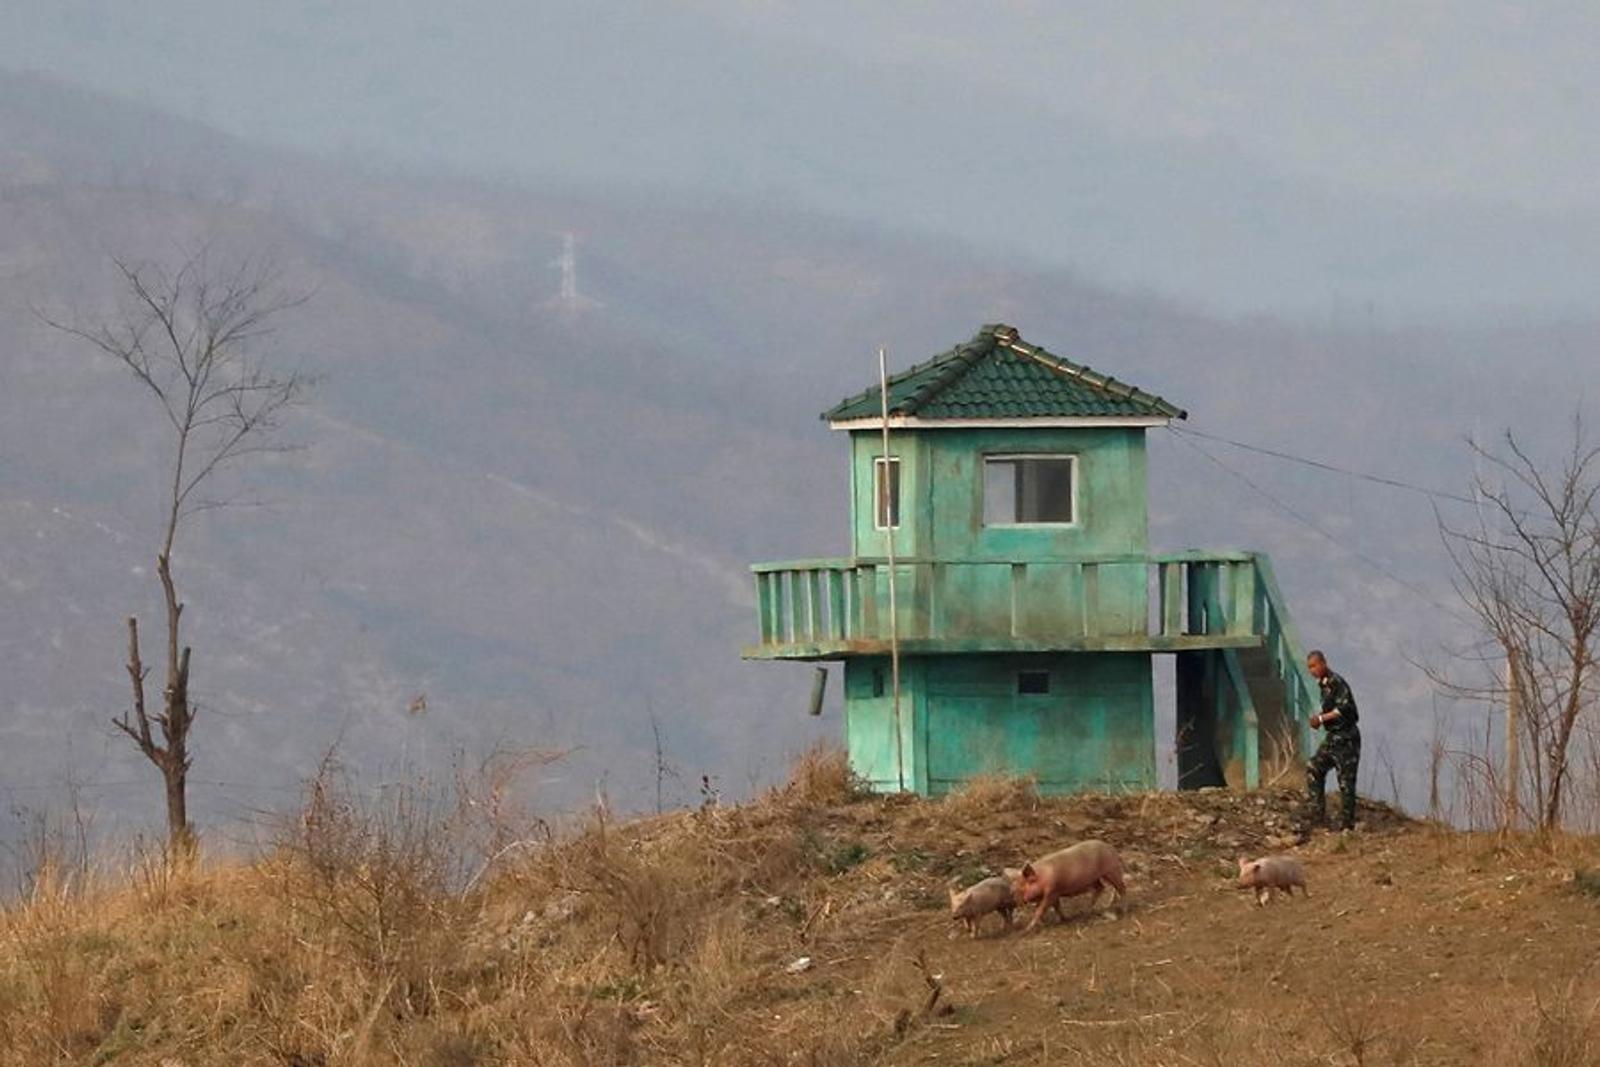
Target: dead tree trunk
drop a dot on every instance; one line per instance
(171, 753)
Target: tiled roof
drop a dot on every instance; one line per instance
(998, 375)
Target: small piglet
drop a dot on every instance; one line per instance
(974, 902)
(1272, 872)
(1085, 867)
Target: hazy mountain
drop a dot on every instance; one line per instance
(979, 136)
(542, 521)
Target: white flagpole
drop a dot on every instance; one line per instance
(889, 500)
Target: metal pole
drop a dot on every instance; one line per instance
(819, 689)
(890, 501)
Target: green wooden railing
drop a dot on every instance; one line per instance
(1252, 600)
(827, 601)
(1302, 696)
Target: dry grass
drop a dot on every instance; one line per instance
(370, 937)
(821, 777)
(978, 799)
(1558, 1025)
(363, 939)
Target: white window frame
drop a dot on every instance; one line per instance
(878, 494)
(1001, 457)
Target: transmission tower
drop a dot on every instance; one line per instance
(569, 300)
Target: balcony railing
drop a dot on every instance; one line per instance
(827, 607)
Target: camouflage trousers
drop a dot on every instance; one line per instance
(1342, 752)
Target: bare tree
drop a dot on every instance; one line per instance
(664, 769)
(1528, 568)
(190, 338)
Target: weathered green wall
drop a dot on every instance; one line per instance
(913, 536)
(962, 716)
(942, 494)
(941, 476)
(869, 722)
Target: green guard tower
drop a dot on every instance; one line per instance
(1027, 604)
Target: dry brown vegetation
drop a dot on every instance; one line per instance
(979, 798)
(372, 934)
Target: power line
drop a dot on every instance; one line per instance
(1301, 518)
(1393, 483)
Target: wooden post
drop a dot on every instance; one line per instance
(1513, 737)
(781, 630)
(1171, 599)
(836, 606)
(765, 608)
(813, 604)
(891, 518)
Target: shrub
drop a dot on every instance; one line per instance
(821, 777)
(979, 798)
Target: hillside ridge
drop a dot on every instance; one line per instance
(810, 926)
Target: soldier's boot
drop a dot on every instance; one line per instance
(1347, 799)
(1316, 809)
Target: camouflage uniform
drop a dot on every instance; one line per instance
(1340, 749)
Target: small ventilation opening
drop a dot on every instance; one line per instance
(1033, 682)
(877, 682)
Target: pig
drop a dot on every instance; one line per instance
(1085, 867)
(974, 902)
(1272, 872)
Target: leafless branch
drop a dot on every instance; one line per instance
(1528, 570)
(190, 337)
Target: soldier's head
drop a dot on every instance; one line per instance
(1317, 664)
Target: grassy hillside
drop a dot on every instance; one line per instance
(366, 936)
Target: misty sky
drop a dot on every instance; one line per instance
(953, 118)
(1488, 100)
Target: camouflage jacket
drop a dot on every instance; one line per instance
(1336, 696)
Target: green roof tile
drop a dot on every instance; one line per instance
(998, 375)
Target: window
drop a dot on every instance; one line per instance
(877, 681)
(1029, 490)
(886, 510)
(1033, 682)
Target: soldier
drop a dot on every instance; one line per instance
(1340, 748)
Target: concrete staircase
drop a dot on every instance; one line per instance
(1242, 713)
